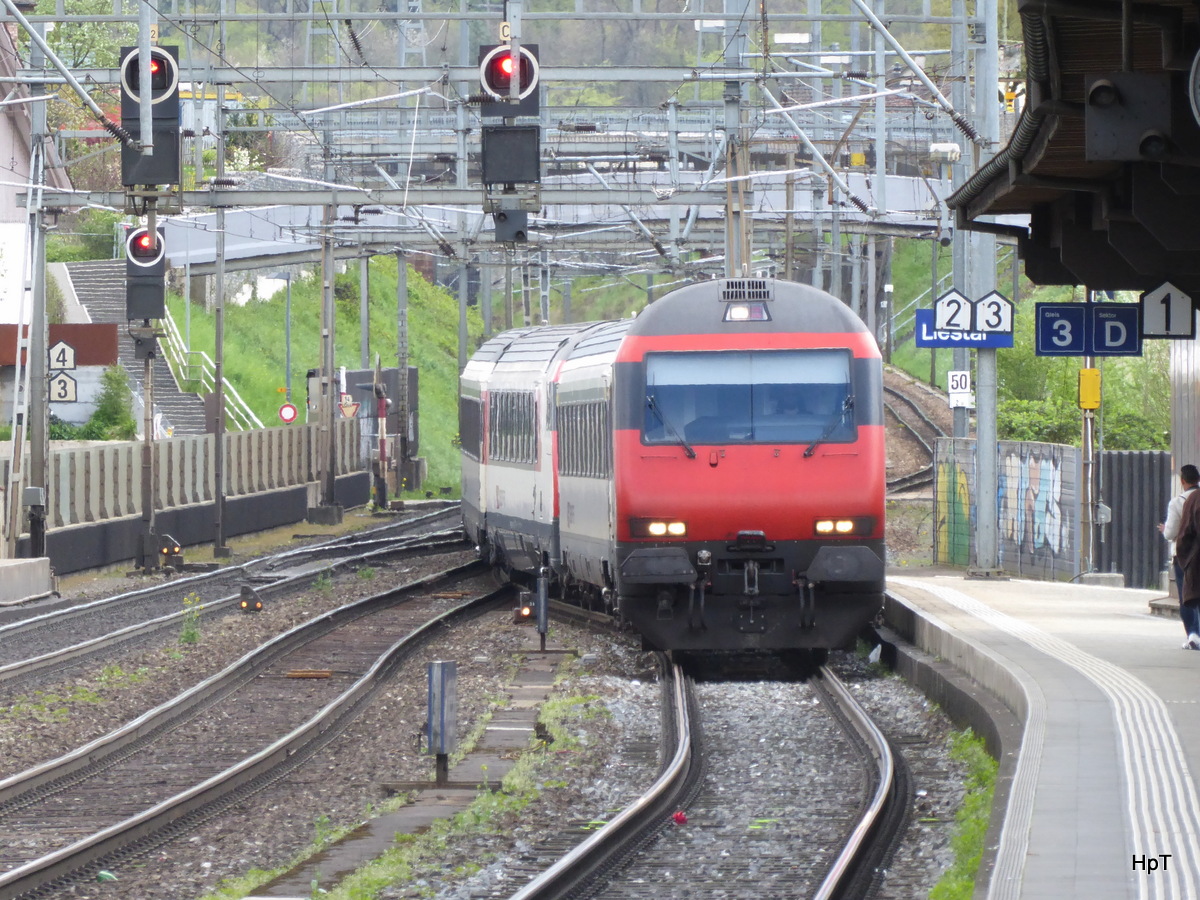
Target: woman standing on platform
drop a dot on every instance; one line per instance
(1189, 477)
(1187, 555)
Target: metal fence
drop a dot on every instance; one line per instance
(1137, 485)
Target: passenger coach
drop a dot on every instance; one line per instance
(711, 471)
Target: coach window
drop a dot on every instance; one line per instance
(470, 432)
(511, 435)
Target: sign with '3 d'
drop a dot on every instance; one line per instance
(1088, 329)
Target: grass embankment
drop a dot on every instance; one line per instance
(256, 349)
(971, 821)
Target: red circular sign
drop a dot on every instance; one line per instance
(287, 413)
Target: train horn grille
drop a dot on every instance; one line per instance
(739, 289)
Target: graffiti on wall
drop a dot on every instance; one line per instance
(1036, 501)
(952, 522)
(1034, 507)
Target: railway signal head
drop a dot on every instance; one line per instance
(498, 68)
(161, 164)
(170, 552)
(523, 612)
(250, 601)
(145, 252)
(145, 274)
(164, 81)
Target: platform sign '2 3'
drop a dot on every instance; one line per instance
(991, 313)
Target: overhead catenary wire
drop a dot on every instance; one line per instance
(349, 160)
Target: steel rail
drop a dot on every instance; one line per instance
(845, 867)
(923, 476)
(910, 482)
(14, 672)
(594, 853)
(251, 771)
(920, 413)
(246, 569)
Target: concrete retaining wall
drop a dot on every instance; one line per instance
(975, 690)
(23, 579)
(104, 480)
(94, 494)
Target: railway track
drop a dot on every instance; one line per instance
(234, 734)
(919, 430)
(689, 833)
(50, 643)
(445, 518)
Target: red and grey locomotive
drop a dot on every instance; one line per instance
(711, 470)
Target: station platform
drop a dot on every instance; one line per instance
(1096, 796)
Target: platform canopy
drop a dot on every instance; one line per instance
(1105, 157)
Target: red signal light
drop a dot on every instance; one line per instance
(498, 68)
(164, 75)
(144, 248)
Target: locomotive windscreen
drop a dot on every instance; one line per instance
(748, 397)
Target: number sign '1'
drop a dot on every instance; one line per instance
(1167, 312)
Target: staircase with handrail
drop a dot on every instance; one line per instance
(100, 288)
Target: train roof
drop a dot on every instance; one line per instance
(694, 309)
(700, 309)
(494, 347)
(605, 337)
(533, 347)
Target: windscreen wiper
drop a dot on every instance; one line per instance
(838, 418)
(653, 405)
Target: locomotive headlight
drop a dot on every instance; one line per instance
(861, 525)
(657, 528)
(751, 311)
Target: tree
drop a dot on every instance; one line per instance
(86, 45)
(1038, 395)
(92, 163)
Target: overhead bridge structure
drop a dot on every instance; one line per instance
(1105, 157)
(1105, 163)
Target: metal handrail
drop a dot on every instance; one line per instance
(904, 324)
(196, 366)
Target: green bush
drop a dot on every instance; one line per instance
(112, 421)
(84, 236)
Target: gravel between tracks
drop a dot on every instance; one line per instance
(339, 787)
